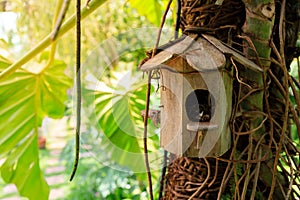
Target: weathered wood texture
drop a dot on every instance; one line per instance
(189, 65)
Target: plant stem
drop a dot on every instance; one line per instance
(53, 45)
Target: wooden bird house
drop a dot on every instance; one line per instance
(196, 95)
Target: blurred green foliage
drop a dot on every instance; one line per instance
(114, 39)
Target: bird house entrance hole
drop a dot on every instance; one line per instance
(199, 106)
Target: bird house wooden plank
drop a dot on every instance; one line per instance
(196, 96)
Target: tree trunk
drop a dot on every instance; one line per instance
(249, 169)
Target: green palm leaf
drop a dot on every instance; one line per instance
(25, 98)
(152, 10)
(118, 112)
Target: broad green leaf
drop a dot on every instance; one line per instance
(25, 98)
(118, 109)
(152, 10)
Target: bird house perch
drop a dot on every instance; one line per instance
(196, 95)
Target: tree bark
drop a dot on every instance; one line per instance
(248, 170)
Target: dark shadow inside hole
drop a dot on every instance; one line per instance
(200, 106)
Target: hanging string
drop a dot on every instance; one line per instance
(145, 136)
(78, 88)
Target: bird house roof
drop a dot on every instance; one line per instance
(204, 53)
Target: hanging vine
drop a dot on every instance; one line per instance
(78, 87)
